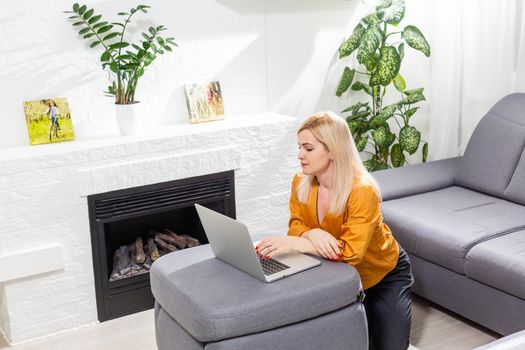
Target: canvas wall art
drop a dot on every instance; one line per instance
(204, 102)
(48, 120)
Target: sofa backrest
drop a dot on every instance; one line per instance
(494, 160)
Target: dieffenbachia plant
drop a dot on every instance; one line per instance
(127, 61)
(379, 45)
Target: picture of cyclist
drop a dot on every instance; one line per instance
(52, 113)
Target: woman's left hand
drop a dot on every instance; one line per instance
(278, 245)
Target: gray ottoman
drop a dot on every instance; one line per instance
(203, 303)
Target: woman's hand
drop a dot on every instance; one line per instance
(278, 245)
(325, 244)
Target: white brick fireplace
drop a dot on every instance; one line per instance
(46, 272)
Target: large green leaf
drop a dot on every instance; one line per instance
(374, 165)
(415, 39)
(412, 96)
(353, 42)
(411, 112)
(362, 86)
(401, 50)
(399, 83)
(82, 9)
(354, 125)
(387, 68)
(346, 81)
(361, 143)
(371, 18)
(409, 139)
(393, 13)
(369, 44)
(94, 43)
(382, 136)
(396, 155)
(383, 4)
(388, 112)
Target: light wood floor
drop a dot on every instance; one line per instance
(433, 328)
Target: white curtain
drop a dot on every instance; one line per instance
(478, 57)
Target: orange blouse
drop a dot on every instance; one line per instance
(368, 242)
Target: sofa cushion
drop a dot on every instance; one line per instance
(418, 178)
(516, 189)
(212, 300)
(495, 147)
(441, 226)
(500, 263)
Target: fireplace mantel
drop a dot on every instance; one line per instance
(43, 202)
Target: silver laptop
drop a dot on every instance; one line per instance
(230, 241)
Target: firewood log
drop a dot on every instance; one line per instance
(140, 257)
(153, 251)
(172, 238)
(190, 241)
(121, 260)
(166, 246)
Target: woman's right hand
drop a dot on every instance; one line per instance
(325, 244)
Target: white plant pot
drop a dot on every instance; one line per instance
(128, 118)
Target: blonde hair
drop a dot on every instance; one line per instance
(332, 131)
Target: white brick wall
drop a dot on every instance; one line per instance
(43, 202)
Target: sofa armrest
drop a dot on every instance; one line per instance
(416, 179)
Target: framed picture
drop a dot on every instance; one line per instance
(204, 102)
(48, 120)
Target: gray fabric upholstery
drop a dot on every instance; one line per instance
(500, 263)
(416, 179)
(442, 226)
(516, 189)
(171, 336)
(495, 147)
(343, 329)
(490, 307)
(467, 241)
(211, 306)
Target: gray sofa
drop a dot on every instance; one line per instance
(462, 221)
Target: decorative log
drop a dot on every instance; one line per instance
(140, 257)
(162, 244)
(153, 251)
(121, 262)
(172, 238)
(190, 241)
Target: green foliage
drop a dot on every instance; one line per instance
(126, 61)
(380, 58)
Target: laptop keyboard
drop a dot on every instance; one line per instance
(271, 266)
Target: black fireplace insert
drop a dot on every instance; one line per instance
(117, 218)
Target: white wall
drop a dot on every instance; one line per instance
(43, 56)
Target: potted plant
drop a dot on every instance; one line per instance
(380, 57)
(126, 62)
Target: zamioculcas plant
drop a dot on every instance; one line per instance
(379, 45)
(126, 61)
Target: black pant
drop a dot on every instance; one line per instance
(388, 307)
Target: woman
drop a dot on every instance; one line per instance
(335, 214)
(53, 113)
